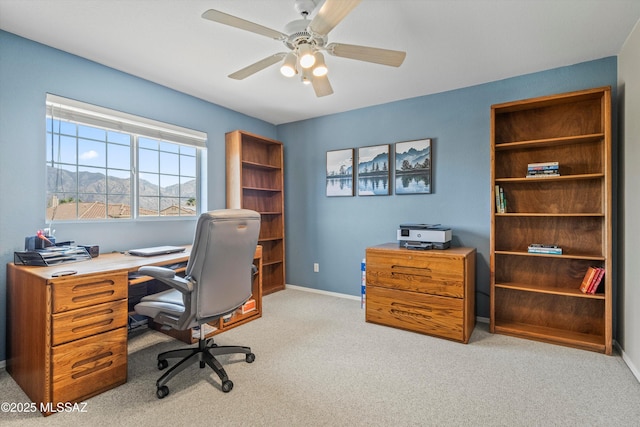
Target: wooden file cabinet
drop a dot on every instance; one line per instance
(68, 335)
(431, 292)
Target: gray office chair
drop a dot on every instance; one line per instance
(217, 281)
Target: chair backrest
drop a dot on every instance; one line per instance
(220, 263)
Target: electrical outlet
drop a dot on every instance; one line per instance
(316, 267)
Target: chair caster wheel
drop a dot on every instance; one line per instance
(162, 392)
(227, 386)
(250, 357)
(162, 364)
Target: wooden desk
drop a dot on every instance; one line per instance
(67, 336)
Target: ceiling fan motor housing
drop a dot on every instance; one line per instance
(298, 34)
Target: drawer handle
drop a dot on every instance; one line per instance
(97, 367)
(413, 271)
(83, 328)
(83, 298)
(82, 286)
(92, 314)
(407, 310)
(92, 370)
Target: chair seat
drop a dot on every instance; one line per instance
(169, 302)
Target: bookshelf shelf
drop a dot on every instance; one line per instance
(276, 190)
(518, 145)
(537, 296)
(531, 214)
(572, 292)
(552, 335)
(551, 178)
(255, 165)
(562, 256)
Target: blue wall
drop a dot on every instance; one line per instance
(28, 71)
(334, 231)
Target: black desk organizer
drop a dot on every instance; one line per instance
(53, 255)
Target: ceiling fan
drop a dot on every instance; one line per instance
(306, 41)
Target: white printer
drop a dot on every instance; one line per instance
(424, 236)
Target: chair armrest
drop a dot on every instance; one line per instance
(168, 276)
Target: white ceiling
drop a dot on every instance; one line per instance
(449, 43)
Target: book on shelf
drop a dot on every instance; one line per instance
(588, 278)
(542, 166)
(541, 175)
(539, 248)
(195, 331)
(501, 201)
(248, 306)
(595, 283)
(542, 170)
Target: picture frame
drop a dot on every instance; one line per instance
(413, 164)
(340, 173)
(374, 170)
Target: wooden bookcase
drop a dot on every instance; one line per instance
(537, 296)
(255, 168)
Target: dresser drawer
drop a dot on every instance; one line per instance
(89, 366)
(85, 291)
(427, 314)
(84, 322)
(417, 271)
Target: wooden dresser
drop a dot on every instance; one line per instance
(431, 292)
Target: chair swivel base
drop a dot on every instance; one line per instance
(205, 354)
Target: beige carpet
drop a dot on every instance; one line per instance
(319, 364)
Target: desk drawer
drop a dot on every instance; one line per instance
(427, 314)
(84, 322)
(89, 366)
(85, 291)
(417, 271)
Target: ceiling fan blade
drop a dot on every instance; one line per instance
(392, 58)
(330, 15)
(233, 21)
(321, 86)
(258, 66)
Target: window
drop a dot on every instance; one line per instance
(104, 165)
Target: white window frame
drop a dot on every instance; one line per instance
(80, 113)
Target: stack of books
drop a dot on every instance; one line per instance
(543, 170)
(539, 248)
(592, 279)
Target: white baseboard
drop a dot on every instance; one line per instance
(318, 291)
(3, 364)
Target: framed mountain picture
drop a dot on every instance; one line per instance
(413, 167)
(374, 171)
(340, 172)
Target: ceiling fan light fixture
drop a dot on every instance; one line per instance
(305, 55)
(288, 68)
(320, 69)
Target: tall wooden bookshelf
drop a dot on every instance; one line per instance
(537, 296)
(255, 168)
